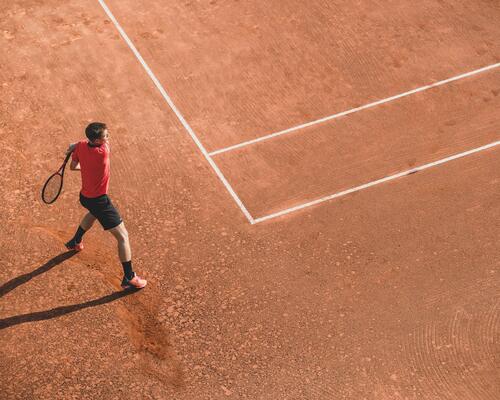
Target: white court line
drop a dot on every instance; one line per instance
(373, 183)
(177, 113)
(354, 110)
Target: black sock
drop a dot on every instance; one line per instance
(78, 235)
(127, 269)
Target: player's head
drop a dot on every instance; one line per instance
(97, 132)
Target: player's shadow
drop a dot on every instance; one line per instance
(58, 311)
(14, 283)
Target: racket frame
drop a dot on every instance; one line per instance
(60, 172)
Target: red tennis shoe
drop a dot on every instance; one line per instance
(135, 283)
(72, 245)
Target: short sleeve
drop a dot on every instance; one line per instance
(75, 156)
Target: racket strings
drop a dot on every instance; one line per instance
(52, 188)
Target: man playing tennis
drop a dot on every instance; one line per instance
(91, 158)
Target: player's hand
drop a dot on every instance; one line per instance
(71, 148)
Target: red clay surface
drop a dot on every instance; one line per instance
(391, 293)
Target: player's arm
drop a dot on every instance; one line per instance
(71, 148)
(75, 164)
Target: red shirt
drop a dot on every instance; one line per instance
(94, 165)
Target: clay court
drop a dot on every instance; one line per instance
(311, 189)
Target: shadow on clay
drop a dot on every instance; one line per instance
(20, 280)
(55, 312)
(59, 311)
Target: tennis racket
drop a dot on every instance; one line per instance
(53, 187)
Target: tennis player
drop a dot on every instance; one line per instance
(91, 158)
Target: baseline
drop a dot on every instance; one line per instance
(376, 182)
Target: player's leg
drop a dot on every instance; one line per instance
(76, 242)
(121, 235)
(87, 221)
(130, 279)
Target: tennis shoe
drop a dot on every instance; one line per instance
(135, 283)
(72, 245)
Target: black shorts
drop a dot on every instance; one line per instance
(102, 208)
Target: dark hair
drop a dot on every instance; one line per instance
(95, 130)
